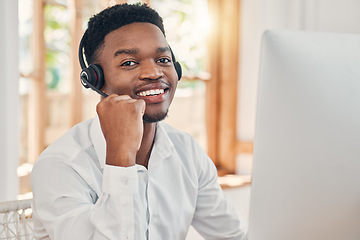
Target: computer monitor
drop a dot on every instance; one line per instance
(306, 173)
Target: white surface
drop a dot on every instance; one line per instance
(259, 15)
(306, 162)
(241, 199)
(9, 101)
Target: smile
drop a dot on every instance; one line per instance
(152, 92)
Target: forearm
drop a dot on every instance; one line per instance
(113, 213)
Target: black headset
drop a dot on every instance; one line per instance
(93, 75)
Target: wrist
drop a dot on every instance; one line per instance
(121, 158)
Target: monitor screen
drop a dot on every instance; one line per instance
(306, 174)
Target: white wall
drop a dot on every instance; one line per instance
(9, 100)
(258, 15)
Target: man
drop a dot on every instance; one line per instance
(125, 174)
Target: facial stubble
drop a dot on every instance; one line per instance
(157, 118)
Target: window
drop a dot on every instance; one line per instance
(53, 99)
(186, 26)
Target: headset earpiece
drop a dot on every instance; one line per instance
(178, 69)
(91, 76)
(94, 75)
(176, 65)
(99, 75)
(88, 75)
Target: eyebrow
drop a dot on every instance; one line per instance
(135, 51)
(126, 51)
(163, 49)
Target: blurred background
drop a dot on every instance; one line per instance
(217, 43)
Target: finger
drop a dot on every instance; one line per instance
(122, 97)
(109, 98)
(141, 105)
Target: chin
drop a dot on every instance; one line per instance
(152, 118)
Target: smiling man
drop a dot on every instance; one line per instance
(125, 174)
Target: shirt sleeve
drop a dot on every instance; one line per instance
(68, 209)
(215, 216)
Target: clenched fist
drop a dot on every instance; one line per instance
(122, 125)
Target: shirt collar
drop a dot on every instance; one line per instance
(163, 146)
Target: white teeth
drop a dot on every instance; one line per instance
(151, 92)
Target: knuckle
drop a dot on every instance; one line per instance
(99, 106)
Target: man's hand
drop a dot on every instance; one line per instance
(122, 125)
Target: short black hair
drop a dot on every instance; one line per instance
(113, 18)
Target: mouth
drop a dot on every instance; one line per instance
(151, 92)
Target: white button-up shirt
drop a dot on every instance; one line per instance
(77, 196)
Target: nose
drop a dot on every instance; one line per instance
(150, 71)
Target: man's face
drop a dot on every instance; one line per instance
(136, 61)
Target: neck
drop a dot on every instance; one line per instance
(143, 155)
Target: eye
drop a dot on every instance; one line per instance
(164, 60)
(128, 64)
